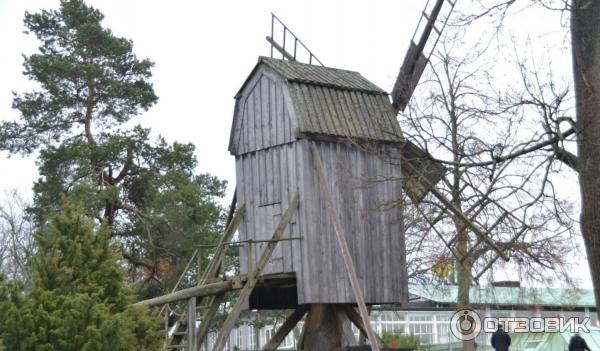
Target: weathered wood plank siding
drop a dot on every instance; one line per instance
(265, 171)
(366, 190)
(262, 114)
(262, 216)
(272, 163)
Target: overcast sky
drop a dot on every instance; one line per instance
(204, 50)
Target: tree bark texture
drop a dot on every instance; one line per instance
(585, 38)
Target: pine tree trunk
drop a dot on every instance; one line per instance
(585, 38)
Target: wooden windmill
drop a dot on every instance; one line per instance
(321, 163)
(331, 137)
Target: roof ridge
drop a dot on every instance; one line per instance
(260, 58)
(298, 72)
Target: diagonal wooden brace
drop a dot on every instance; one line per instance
(341, 238)
(285, 328)
(458, 213)
(229, 322)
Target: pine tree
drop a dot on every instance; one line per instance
(78, 300)
(90, 84)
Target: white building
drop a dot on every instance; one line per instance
(430, 310)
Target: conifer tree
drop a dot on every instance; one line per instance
(90, 83)
(78, 300)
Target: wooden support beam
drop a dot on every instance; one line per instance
(209, 314)
(225, 239)
(457, 212)
(341, 238)
(281, 50)
(232, 207)
(285, 328)
(493, 260)
(212, 289)
(362, 336)
(212, 270)
(196, 291)
(489, 230)
(358, 322)
(253, 276)
(191, 324)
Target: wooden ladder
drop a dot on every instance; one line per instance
(251, 279)
(185, 335)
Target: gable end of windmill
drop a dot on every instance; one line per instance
(308, 101)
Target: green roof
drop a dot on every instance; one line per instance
(508, 296)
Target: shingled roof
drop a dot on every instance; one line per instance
(315, 102)
(297, 72)
(336, 102)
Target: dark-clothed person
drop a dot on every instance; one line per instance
(500, 339)
(577, 343)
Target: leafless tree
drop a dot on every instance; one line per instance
(580, 19)
(501, 174)
(17, 242)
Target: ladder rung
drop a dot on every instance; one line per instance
(176, 346)
(180, 333)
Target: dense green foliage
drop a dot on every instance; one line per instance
(77, 300)
(397, 340)
(91, 84)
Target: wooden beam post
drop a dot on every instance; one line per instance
(253, 276)
(280, 48)
(285, 328)
(209, 314)
(358, 322)
(196, 291)
(341, 238)
(191, 324)
(211, 289)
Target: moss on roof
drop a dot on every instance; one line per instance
(294, 71)
(335, 102)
